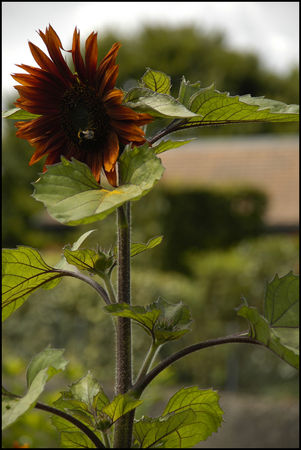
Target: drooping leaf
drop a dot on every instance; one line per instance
(163, 146)
(156, 81)
(163, 321)
(24, 271)
(72, 196)
(19, 114)
(190, 416)
(281, 315)
(40, 371)
(121, 405)
(216, 108)
(260, 330)
(158, 105)
(281, 303)
(51, 358)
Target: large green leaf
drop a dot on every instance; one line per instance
(41, 369)
(156, 81)
(24, 271)
(190, 416)
(163, 321)
(216, 108)
(158, 105)
(72, 196)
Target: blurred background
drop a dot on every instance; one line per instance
(227, 206)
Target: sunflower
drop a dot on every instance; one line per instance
(80, 113)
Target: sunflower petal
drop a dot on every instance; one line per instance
(91, 56)
(111, 152)
(77, 57)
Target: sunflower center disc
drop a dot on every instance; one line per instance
(84, 119)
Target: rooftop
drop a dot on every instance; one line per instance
(270, 163)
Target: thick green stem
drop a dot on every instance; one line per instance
(123, 427)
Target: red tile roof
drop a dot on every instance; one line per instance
(270, 163)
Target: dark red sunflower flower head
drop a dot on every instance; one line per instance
(81, 113)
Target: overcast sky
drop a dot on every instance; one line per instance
(269, 28)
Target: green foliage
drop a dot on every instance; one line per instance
(161, 320)
(281, 308)
(156, 81)
(206, 106)
(190, 416)
(158, 105)
(280, 313)
(19, 114)
(194, 52)
(87, 401)
(23, 271)
(137, 248)
(72, 196)
(168, 145)
(41, 369)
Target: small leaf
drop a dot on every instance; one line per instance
(156, 81)
(161, 320)
(51, 358)
(139, 248)
(84, 259)
(169, 145)
(121, 405)
(62, 264)
(19, 114)
(24, 271)
(281, 304)
(158, 105)
(186, 90)
(143, 316)
(72, 196)
(86, 389)
(173, 322)
(190, 416)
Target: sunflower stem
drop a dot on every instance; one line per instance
(124, 426)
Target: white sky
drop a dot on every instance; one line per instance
(269, 28)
